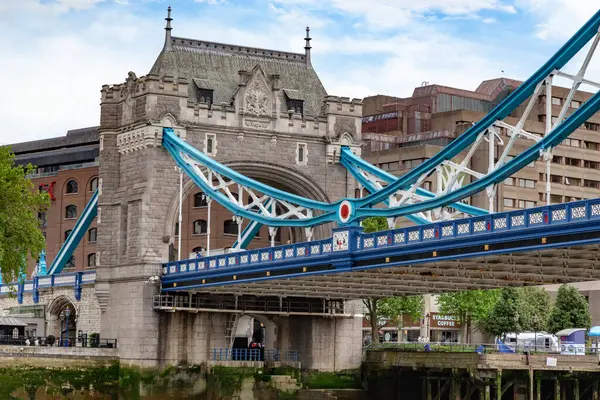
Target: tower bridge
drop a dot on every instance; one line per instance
(256, 131)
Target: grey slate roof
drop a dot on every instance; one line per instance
(217, 65)
(11, 321)
(75, 137)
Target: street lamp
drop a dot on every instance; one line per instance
(535, 328)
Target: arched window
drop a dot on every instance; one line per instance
(67, 233)
(200, 200)
(71, 211)
(91, 261)
(15, 333)
(92, 235)
(199, 227)
(176, 234)
(93, 184)
(70, 263)
(230, 227)
(72, 186)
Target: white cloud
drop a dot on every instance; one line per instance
(56, 62)
(559, 19)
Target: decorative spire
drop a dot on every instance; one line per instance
(307, 46)
(168, 44)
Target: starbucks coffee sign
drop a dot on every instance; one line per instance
(444, 321)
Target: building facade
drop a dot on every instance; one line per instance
(396, 139)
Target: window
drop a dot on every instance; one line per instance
(199, 227)
(527, 183)
(296, 106)
(509, 202)
(91, 260)
(557, 159)
(591, 164)
(92, 235)
(94, 184)
(427, 185)
(510, 181)
(67, 233)
(230, 227)
(591, 184)
(43, 220)
(554, 119)
(70, 263)
(591, 145)
(572, 142)
(555, 199)
(357, 193)
(200, 200)
(592, 126)
(72, 187)
(210, 144)
(572, 181)
(205, 96)
(176, 229)
(575, 104)
(526, 204)
(71, 211)
(15, 334)
(542, 177)
(556, 179)
(301, 153)
(556, 101)
(574, 162)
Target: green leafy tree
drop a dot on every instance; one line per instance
(394, 309)
(380, 311)
(504, 317)
(534, 308)
(20, 234)
(374, 224)
(469, 306)
(571, 310)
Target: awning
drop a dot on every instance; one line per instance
(595, 331)
(567, 332)
(11, 321)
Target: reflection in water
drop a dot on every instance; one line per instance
(41, 394)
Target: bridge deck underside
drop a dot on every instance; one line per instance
(542, 267)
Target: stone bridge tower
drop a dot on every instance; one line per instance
(263, 112)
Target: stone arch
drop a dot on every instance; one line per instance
(256, 327)
(168, 120)
(58, 324)
(271, 174)
(346, 139)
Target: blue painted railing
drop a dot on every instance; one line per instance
(74, 279)
(250, 257)
(226, 354)
(520, 220)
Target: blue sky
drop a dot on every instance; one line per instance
(56, 54)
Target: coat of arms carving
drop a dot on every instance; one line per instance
(257, 100)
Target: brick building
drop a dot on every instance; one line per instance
(67, 168)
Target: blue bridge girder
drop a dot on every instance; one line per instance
(514, 248)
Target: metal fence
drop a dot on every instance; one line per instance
(82, 341)
(240, 354)
(450, 347)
